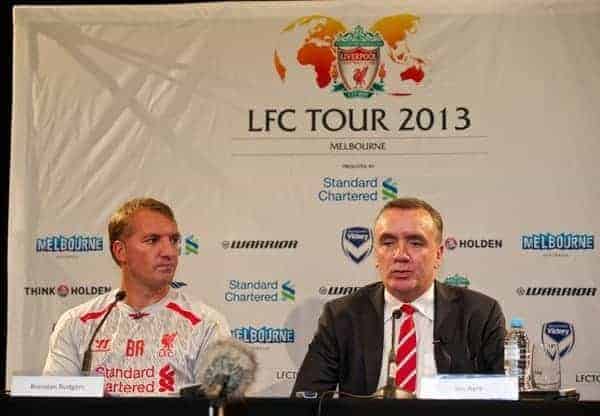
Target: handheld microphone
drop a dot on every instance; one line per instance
(87, 356)
(228, 369)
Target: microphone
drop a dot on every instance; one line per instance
(390, 387)
(390, 391)
(228, 368)
(87, 356)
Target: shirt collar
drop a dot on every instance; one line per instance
(423, 304)
(171, 296)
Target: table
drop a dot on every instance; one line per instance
(293, 407)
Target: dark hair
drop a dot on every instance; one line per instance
(415, 203)
(119, 225)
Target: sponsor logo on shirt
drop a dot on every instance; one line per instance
(101, 345)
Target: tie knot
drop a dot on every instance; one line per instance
(407, 309)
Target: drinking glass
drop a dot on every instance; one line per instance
(545, 366)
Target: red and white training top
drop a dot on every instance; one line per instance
(155, 351)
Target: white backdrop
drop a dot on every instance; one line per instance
(236, 115)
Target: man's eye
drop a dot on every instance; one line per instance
(417, 242)
(151, 240)
(176, 240)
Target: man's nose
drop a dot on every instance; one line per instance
(400, 252)
(169, 248)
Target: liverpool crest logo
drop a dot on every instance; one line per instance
(358, 64)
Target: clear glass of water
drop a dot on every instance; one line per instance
(545, 366)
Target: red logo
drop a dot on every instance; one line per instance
(451, 243)
(62, 290)
(134, 348)
(167, 345)
(167, 379)
(101, 345)
(352, 60)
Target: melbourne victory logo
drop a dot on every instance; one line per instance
(357, 243)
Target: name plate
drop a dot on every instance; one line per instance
(470, 387)
(57, 386)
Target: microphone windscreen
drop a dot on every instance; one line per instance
(228, 369)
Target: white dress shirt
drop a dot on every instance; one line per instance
(423, 317)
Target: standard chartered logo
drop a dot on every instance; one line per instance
(287, 291)
(191, 245)
(389, 189)
(257, 291)
(357, 189)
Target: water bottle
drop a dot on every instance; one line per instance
(517, 354)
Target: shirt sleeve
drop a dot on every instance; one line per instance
(216, 328)
(63, 353)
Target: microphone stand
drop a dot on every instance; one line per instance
(390, 391)
(218, 402)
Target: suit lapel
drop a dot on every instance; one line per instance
(371, 327)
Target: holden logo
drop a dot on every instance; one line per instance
(62, 290)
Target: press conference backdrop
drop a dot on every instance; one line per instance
(276, 130)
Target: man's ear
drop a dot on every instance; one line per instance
(119, 251)
(439, 255)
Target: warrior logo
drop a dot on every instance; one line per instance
(561, 333)
(357, 243)
(101, 345)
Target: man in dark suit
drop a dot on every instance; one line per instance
(457, 330)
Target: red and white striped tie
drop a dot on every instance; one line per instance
(406, 354)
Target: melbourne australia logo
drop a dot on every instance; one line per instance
(264, 335)
(560, 241)
(64, 244)
(356, 62)
(357, 243)
(561, 333)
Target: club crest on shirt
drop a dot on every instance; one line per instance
(167, 341)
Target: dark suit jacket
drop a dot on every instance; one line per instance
(468, 335)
